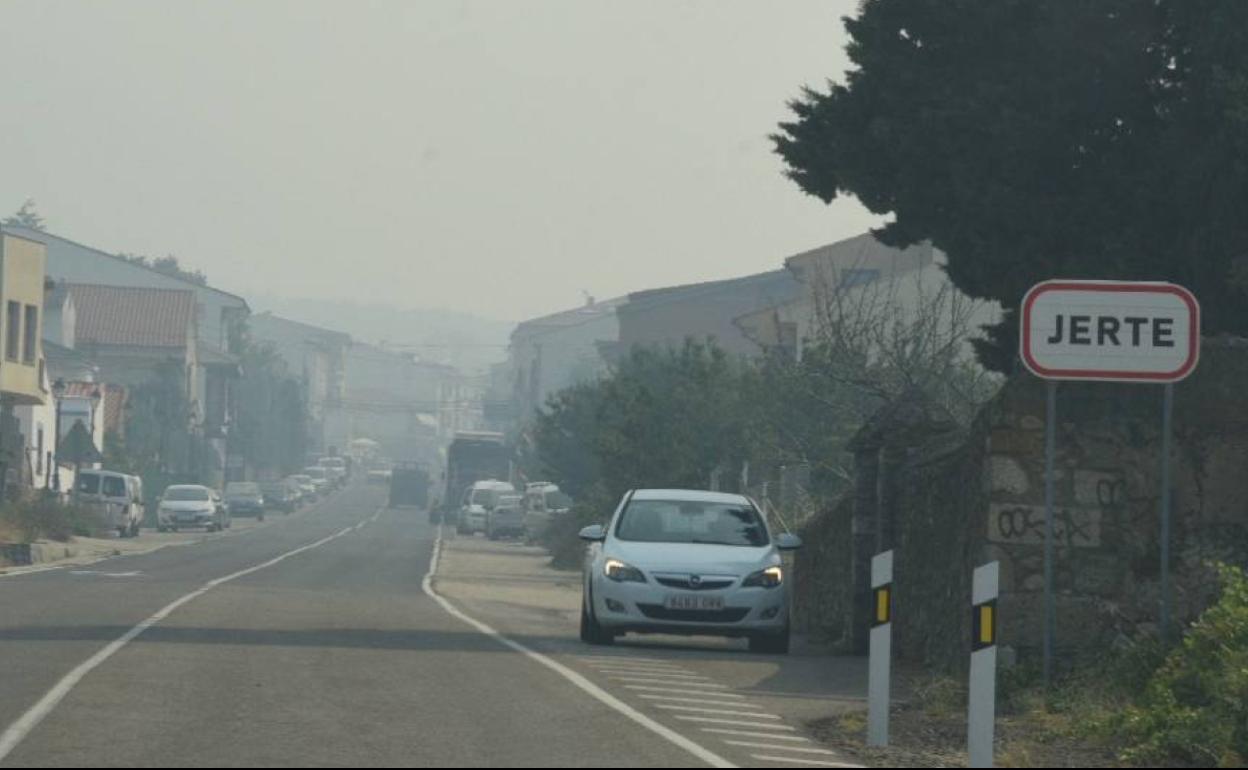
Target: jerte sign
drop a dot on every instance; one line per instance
(1107, 330)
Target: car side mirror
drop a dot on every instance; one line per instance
(788, 542)
(595, 533)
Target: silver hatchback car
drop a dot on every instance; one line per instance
(675, 561)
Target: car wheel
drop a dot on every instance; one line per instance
(591, 631)
(771, 644)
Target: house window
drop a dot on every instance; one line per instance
(30, 339)
(13, 331)
(39, 453)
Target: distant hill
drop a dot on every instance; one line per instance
(467, 342)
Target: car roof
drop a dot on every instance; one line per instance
(188, 486)
(690, 495)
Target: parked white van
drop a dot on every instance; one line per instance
(479, 499)
(117, 497)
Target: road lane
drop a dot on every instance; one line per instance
(332, 657)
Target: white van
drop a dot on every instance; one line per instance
(479, 499)
(118, 497)
(543, 502)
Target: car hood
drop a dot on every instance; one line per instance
(693, 558)
(186, 505)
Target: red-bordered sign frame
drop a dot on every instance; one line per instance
(1138, 287)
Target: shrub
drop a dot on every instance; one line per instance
(45, 518)
(1194, 708)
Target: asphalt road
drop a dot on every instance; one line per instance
(307, 641)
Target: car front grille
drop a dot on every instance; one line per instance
(706, 584)
(728, 615)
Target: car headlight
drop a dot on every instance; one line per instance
(620, 572)
(767, 578)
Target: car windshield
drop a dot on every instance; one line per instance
(242, 489)
(187, 495)
(693, 522)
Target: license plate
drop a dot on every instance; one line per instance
(695, 603)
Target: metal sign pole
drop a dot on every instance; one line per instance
(880, 663)
(982, 692)
(1050, 460)
(1167, 420)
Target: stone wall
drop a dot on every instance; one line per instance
(1107, 501)
(960, 500)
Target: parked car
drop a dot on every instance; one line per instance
(117, 497)
(675, 561)
(320, 479)
(506, 518)
(543, 502)
(307, 489)
(191, 505)
(478, 500)
(336, 468)
(282, 495)
(244, 498)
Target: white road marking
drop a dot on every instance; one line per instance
(651, 680)
(796, 761)
(15, 733)
(703, 701)
(602, 696)
(708, 694)
(85, 572)
(737, 722)
(726, 712)
(620, 658)
(774, 747)
(659, 674)
(748, 734)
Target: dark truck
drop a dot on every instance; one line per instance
(471, 457)
(409, 485)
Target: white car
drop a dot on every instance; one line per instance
(675, 561)
(191, 506)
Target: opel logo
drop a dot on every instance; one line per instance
(695, 580)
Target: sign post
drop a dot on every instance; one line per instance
(982, 692)
(879, 666)
(1108, 331)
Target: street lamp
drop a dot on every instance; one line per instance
(58, 391)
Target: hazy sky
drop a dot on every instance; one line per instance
(492, 157)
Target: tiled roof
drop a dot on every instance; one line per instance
(117, 315)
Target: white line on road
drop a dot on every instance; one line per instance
(682, 691)
(737, 722)
(725, 712)
(602, 696)
(796, 761)
(659, 674)
(17, 732)
(748, 734)
(652, 680)
(774, 747)
(703, 701)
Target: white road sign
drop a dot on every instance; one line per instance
(1107, 330)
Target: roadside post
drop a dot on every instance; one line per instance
(982, 693)
(1107, 331)
(879, 666)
